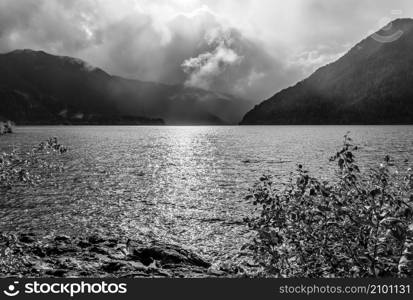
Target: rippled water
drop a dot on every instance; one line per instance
(180, 184)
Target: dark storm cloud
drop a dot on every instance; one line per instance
(50, 25)
(248, 48)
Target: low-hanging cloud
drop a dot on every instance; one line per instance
(248, 48)
(207, 67)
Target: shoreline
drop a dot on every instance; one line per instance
(29, 255)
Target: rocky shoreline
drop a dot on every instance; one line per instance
(29, 255)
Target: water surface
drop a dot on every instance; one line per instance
(180, 184)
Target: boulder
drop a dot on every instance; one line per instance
(97, 256)
(62, 238)
(26, 238)
(165, 254)
(96, 239)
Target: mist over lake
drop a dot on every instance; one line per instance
(183, 185)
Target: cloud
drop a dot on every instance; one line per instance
(245, 47)
(207, 67)
(310, 60)
(52, 25)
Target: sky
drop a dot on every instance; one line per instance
(248, 48)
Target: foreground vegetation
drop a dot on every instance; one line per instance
(5, 127)
(359, 225)
(20, 167)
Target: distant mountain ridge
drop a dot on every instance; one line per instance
(40, 88)
(371, 84)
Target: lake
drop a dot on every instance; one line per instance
(179, 184)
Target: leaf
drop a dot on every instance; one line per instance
(390, 221)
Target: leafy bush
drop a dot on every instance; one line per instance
(11, 257)
(20, 167)
(5, 127)
(355, 226)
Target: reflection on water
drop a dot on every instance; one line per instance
(180, 184)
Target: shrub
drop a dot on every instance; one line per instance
(11, 258)
(17, 168)
(20, 167)
(355, 226)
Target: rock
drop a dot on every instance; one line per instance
(95, 256)
(38, 251)
(59, 250)
(135, 265)
(114, 266)
(112, 242)
(26, 238)
(85, 273)
(67, 263)
(118, 255)
(135, 275)
(165, 254)
(84, 244)
(216, 273)
(99, 250)
(160, 273)
(56, 273)
(62, 238)
(40, 266)
(96, 239)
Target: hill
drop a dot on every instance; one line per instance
(40, 88)
(371, 84)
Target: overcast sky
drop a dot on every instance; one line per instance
(250, 48)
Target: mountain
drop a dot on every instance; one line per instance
(371, 84)
(40, 88)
